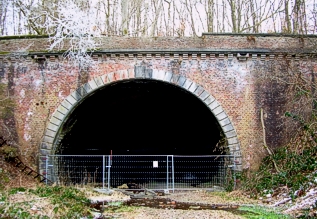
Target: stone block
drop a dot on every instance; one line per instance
(209, 100)
(148, 73)
(213, 105)
(187, 84)
(224, 122)
(217, 110)
(168, 76)
(58, 115)
(50, 133)
(235, 147)
(46, 145)
(52, 127)
(131, 56)
(139, 56)
(233, 140)
(67, 104)
(199, 91)
(175, 78)
(117, 75)
(110, 77)
(124, 74)
(131, 73)
(193, 87)
(221, 116)
(227, 128)
(48, 139)
(181, 81)
(158, 74)
(231, 134)
(148, 56)
(93, 84)
(87, 88)
(81, 92)
(62, 110)
(203, 95)
(76, 95)
(104, 79)
(139, 71)
(71, 100)
(55, 121)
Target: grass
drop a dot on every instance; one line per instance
(44, 202)
(258, 212)
(230, 197)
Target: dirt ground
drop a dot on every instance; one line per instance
(150, 213)
(185, 196)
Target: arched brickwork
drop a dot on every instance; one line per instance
(59, 117)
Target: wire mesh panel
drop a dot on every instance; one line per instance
(192, 172)
(156, 172)
(77, 170)
(139, 172)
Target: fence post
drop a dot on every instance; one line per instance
(109, 165)
(167, 172)
(46, 169)
(234, 171)
(103, 171)
(173, 172)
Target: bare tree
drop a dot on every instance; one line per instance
(167, 17)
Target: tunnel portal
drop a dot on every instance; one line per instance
(129, 119)
(141, 117)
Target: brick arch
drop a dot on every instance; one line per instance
(52, 134)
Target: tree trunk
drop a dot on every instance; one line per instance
(124, 15)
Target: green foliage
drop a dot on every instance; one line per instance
(3, 179)
(296, 162)
(295, 170)
(66, 202)
(9, 152)
(256, 212)
(69, 202)
(16, 190)
(231, 178)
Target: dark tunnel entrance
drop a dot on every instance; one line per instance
(143, 117)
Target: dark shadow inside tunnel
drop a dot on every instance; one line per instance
(141, 117)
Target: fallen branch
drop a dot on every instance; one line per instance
(281, 202)
(264, 142)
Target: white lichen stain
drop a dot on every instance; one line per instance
(38, 82)
(60, 95)
(26, 135)
(22, 93)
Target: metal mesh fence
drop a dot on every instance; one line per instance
(168, 172)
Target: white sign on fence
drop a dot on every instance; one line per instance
(155, 164)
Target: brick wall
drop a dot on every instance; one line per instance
(236, 71)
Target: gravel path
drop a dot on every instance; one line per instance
(150, 213)
(192, 196)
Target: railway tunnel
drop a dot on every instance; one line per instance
(144, 117)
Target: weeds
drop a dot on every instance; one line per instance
(59, 202)
(296, 162)
(256, 212)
